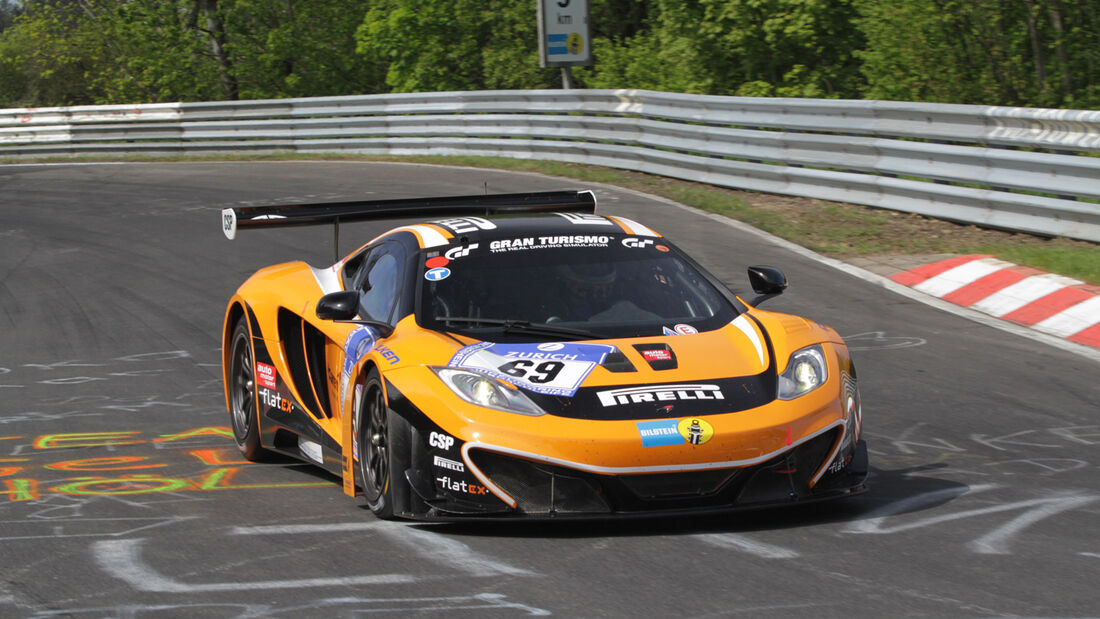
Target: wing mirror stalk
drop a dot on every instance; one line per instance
(343, 306)
(767, 282)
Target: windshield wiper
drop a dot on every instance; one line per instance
(521, 326)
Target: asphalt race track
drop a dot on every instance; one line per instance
(121, 494)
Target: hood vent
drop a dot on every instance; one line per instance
(617, 362)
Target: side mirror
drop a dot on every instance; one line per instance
(343, 305)
(767, 282)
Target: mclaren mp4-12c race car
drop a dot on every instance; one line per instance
(519, 356)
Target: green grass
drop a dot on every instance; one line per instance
(833, 229)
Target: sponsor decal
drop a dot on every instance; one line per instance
(441, 441)
(637, 243)
(460, 252)
(586, 218)
(273, 399)
(265, 375)
(695, 431)
(839, 463)
(437, 274)
(436, 261)
(684, 329)
(462, 225)
(553, 368)
(388, 354)
(458, 485)
(229, 222)
(658, 393)
(359, 343)
(539, 242)
(355, 431)
(657, 355)
(663, 248)
(663, 432)
(659, 433)
(444, 463)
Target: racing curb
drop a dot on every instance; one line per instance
(1049, 303)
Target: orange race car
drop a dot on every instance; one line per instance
(518, 356)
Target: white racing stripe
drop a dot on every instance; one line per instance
(429, 236)
(633, 227)
(742, 323)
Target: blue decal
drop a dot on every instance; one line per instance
(553, 368)
(667, 331)
(436, 274)
(388, 354)
(358, 344)
(555, 351)
(661, 432)
(461, 356)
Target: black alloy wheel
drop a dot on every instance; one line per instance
(242, 393)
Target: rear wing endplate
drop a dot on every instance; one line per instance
(244, 217)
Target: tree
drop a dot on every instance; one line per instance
(46, 55)
(458, 45)
(9, 10)
(300, 48)
(996, 52)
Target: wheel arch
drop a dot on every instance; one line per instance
(233, 313)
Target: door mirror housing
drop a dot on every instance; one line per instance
(343, 305)
(767, 282)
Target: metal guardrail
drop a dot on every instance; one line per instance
(1032, 170)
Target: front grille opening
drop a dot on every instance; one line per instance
(541, 488)
(678, 485)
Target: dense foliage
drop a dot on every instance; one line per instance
(1005, 52)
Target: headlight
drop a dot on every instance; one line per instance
(805, 372)
(486, 391)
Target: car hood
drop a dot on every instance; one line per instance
(720, 371)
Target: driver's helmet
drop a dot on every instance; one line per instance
(593, 280)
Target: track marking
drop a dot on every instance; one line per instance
(122, 559)
(744, 544)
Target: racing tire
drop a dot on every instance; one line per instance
(243, 410)
(382, 437)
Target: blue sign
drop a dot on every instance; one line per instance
(661, 432)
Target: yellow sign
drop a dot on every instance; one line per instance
(574, 43)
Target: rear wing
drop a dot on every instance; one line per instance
(244, 217)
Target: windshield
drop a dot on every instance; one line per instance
(568, 288)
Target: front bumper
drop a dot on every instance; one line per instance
(545, 491)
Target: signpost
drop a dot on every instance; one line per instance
(563, 36)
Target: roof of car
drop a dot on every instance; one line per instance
(440, 232)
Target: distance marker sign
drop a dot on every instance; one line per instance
(563, 33)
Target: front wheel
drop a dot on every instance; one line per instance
(242, 393)
(382, 437)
